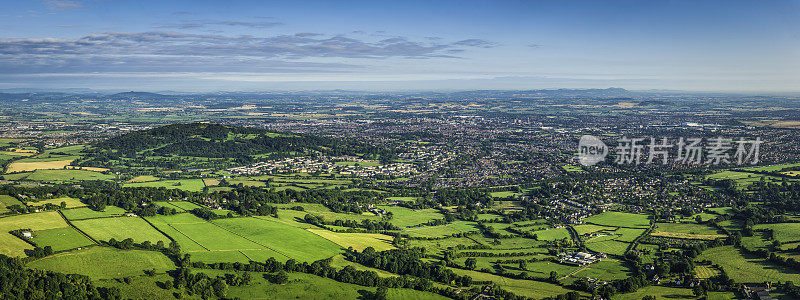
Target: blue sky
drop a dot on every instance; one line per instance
(738, 46)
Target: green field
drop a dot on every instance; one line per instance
(403, 217)
(687, 228)
(6, 200)
(13, 246)
(192, 185)
(783, 232)
(608, 247)
(745, 268)
(589, 228)
(88, 213)
(291, 241)
(103, 262)
(61, 176)
(619, 219)
(607, 269)
(120, 228)
(442, 230)
(61, 238)
(552, 234)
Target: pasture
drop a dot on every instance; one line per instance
(783, 232)
(608, 247)
(745, 268)
(61, 238)
(11, 245)
(62, 175)
(104, 262)
(6, 200)
(120, 228)
(619, 219)
(291, 241)
(88, 213)
(552, 234)
(404, 217)
(442, 230)
(192, 185)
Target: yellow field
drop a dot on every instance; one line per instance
(358, 241)
(144, 178)
(71, 202)
(96, 169)
(32, 166)
(13, 246)
(688, 236)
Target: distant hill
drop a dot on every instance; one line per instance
(132, 94)
(205, 140)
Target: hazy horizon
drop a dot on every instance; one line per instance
(708, 46)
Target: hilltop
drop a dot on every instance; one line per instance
(213, 141)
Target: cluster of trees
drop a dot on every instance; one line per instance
(406, 262)
(220, 141)
(201, 284)
(207, 214)
(17, 282)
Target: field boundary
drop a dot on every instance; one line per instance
(76, 228)
(246, 238)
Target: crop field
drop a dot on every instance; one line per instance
(783, 232)
(589, 228)
(192, 185)
(358, 241)
(88, 213)
(212, 237)
(745, 268)
(705, 272)
(61, 238)
(607, 269)
(104, 262)
(504, 194)
(619, 219)
(403, 217)
(552, 234)
(184, 205)
(120, 228)
(13, 246)
(61, 175)
(442, 230)
(144, 178)
(686, 228)
(71, 202)
(20, 166)
(291, 241)
(608, 247)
